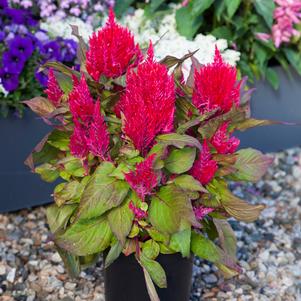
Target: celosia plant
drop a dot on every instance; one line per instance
(145, 168)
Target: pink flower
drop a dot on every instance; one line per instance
(222, 141)
(216, 86)
(200, 212)
(139, 213)
(81, 102)
(148, 104)
(53, 91)
(204, 168)
(144, 178)
(263, 36)
(286, 15)
(78, 142)
(111, 50)
(99, 138)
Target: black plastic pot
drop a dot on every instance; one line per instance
(124, 279)
(19, 187)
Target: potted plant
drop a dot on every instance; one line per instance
(146, 157)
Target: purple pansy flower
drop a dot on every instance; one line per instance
(13, 60)
(41, 77)
(17, 16)
(51, 51)
(3, 4)
(68, 50)
(22, 45)
(9, 79)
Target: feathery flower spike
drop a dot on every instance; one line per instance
(53, 91)
(148, 104)
(223, 142)
(204, 168)
(216, 86)
(111, 50)
(144, 178)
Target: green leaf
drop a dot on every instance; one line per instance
(40, 105)
(151, 249)
(232, 6)
(157, 235)
(180, 241)
(169, 208)
(85, 237)
(226, 236)
(251, 123)
(102, 193)
(206, 249)
(187, 24)
(121, 6)
(150, 286)
(74, 167)
(120, 171)
(272, 78)
(121, 220)
(113, 254)
(233, 205)
(188, 182)
(59, 139)
(71, 262)
(222, 32)
(179, 141)
(58, 217)
(198, 7)
(155, 270)
(265, 8)
(294, 58)
(180, 160)
(251, 165)
(48, 172)
(65, 192)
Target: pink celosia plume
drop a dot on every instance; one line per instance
(99, 139)
(216, 86)
(223, 142)
(90, 131)
(111, 50)
(53, 91)
(81, 102)
(139, 213)
(204, 168)
(148, 104)
(200, 212)
(144, 178)
(78, 142)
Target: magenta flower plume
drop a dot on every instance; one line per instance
(111, 50)
(53, 91)
(204, 168)
(139, 213)
(223, 142)
(144, 178)
(81, 102)
(148, 104)
(78, 142)
(99, 139)
(90, 131)
(216, 86)
(200, 212)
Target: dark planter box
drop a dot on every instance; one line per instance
(19, 187)
(124, 279)
(281, 105)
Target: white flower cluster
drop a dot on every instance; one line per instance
(170, 42)
(61, 28)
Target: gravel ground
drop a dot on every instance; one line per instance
(269, 250)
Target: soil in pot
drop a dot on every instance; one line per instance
(124, 279)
